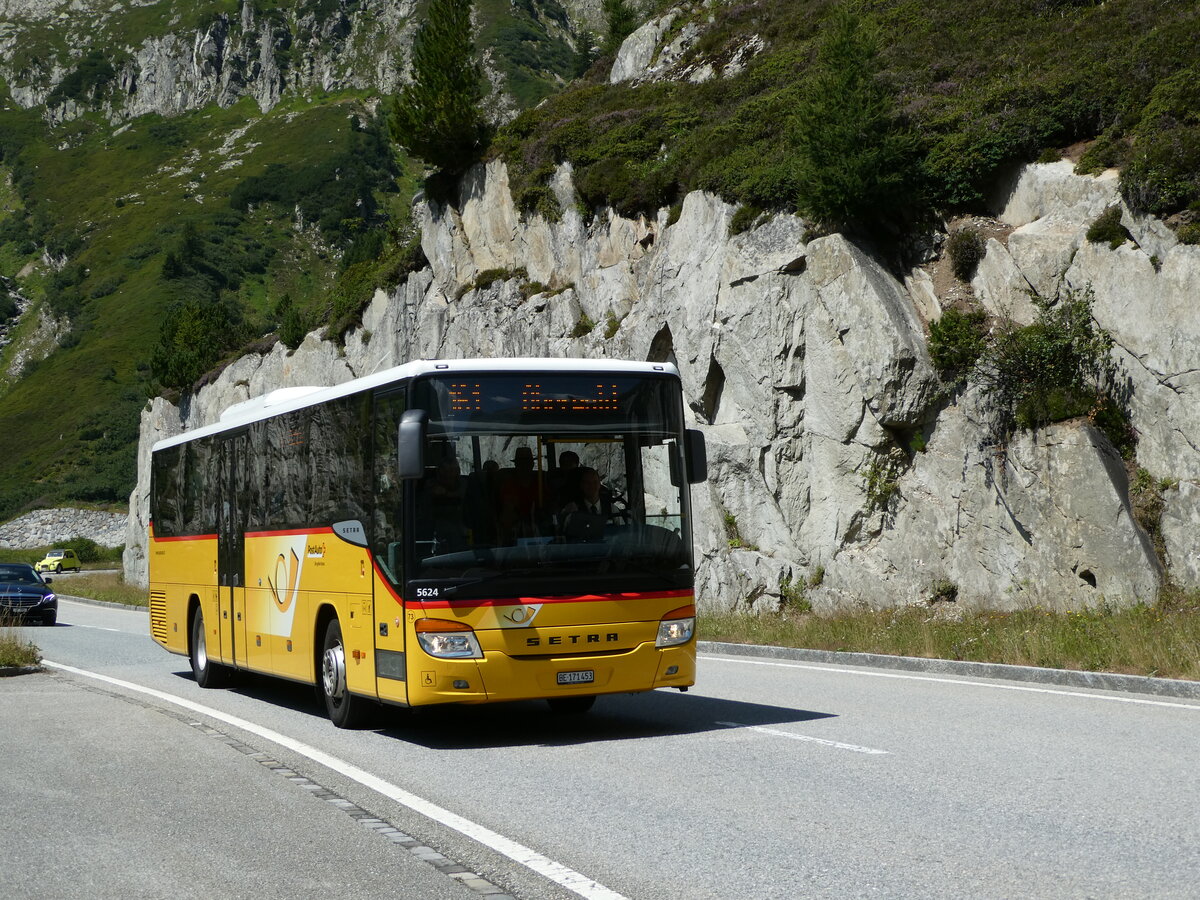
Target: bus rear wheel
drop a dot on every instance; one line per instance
(345, 710)
(207, 673)
(570, 706)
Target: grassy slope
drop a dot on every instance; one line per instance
(130, 194)
(984, 85)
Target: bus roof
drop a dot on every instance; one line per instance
(288, 399)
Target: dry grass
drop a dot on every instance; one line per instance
(107, 586)
(14, 649)
(1161, 640)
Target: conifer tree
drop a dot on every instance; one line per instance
(437, 116)
(856, 159)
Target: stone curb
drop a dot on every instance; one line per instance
(1102, 681)
(9, 671)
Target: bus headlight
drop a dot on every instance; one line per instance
(677, 627)
(445, 639)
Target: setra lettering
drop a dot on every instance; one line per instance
(558, 639)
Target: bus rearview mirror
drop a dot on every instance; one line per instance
(410, 443)
(697, 457)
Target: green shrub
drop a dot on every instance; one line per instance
(966, 248)
(1107, 152)
(93, 73)
(15, 650)
(881, 479)
(611, 325)
(1056, 368)
(734, 537)
(1146, 501)
(792, 595)
(86, 549)
(1163, 175)
(957, 340)
(1189, 233)
(583, 327)
(744, 218)
(943, 590)
(1107, 229)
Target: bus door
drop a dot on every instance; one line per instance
(387, 550)
(231, 548)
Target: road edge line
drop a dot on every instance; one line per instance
(1104, 681)
(563, 876)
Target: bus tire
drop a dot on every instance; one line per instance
(570, 706)
(208, 674)
(345, 710)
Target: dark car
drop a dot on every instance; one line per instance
(24, 595)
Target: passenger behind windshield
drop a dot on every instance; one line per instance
(551, 513)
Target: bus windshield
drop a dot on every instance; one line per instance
(550, 484)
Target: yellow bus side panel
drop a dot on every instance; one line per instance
(290, 578)
(180, 569)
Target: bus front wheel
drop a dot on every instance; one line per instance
(208, 674)
(344, 709)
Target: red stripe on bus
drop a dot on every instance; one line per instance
(289, 533)
(571, 598)
(186, 537)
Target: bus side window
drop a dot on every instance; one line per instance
(388, 489)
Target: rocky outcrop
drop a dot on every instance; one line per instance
(658, 51)
(834, 450)
(185, 66)
(46, 526)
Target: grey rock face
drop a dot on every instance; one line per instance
(806, 366)
(1045, 524)
(639, 49)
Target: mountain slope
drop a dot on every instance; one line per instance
(182, 179)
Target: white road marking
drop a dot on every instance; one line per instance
(99, 628)
(518, 853)
(803, 737)
(977, 684)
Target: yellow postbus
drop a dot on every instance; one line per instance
(458, 531)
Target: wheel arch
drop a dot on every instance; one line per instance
(326, 612)
(193, 606)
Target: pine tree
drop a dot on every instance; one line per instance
(437, 116)
(621, 20)
(857, 161)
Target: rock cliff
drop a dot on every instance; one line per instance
(187, 61)
(806, 364)
(169, 58)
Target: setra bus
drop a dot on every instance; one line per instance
(458, 531)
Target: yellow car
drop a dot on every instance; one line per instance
(58, 560)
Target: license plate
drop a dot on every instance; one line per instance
(585, 677)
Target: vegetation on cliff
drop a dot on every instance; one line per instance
(980, 87)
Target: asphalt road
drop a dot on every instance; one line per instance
(771, 779)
